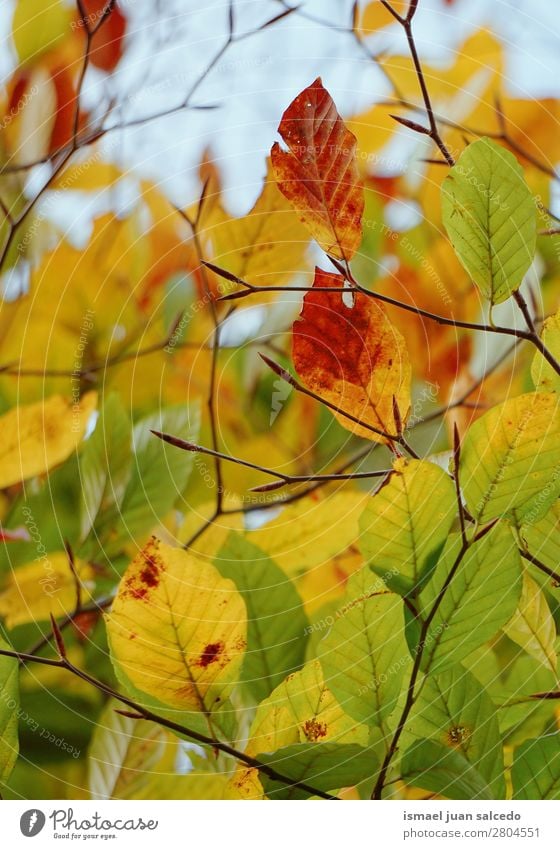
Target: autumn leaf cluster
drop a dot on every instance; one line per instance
(283, 485)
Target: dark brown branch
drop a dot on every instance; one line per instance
(538, 564)
(95, 607)
(177, 728)
(299, 387)
(283, 479)
(433, 131)
(212, 388)
(296, 496)
(456, 461)
(249, 288)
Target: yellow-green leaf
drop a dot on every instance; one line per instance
(532, 626)
(38, 26)
(311, 531)
(364, 655)
(300, 710)
(542, 540)
(509, 459)
(122, 754)
(324, 766)
(536, 769)
(454, 710)
(9, 711)
(489, 214)
(177, 629)
(480, 598)
(445, 772)
(406, 523)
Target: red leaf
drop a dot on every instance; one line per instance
(352, 357)
(318, 173)
(107, 43)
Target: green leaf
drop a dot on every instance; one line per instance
(532, 626)
(406, 523)
(536, 768)
(159, 474)
(542, 540)
(509, 677)
(482, 595)
(364, 655)
(544, 376)
(489, 214)
(444, 771)
(455, 711)
(277, 624)
(326, 766)
(9, 711)
(509, 459)
(105, 463)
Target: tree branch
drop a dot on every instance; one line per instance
(177, 728)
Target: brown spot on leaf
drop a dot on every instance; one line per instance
(314, 730)
(147, 574)
(138, 592)
(150, 574)
(210, 654)
(457, 735)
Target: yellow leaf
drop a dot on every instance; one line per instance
(265, 246)
(532, 626)
(177, 629)
(38, 436)
(28, 136)
(46, 586)
(463, 92)
(327, 582)
(38, 26)
(311, 531)
(376, 16)
(509, 459)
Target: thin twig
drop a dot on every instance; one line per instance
(283, 479)
(241, 757)
(538, 564)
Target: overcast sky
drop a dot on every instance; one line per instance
(170, 41)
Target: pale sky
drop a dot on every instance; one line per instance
(170, 41)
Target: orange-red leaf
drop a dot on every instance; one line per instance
(318, 173)
(107, 43)
(352, 357)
